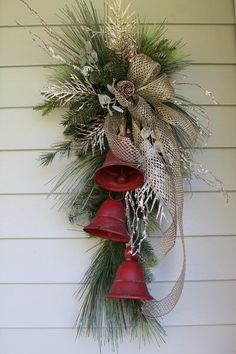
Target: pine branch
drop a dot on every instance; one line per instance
(87, 203)
(62, 149)
(86, 26)
(47, 107)
(169, 54)
(81, 113)
(75, 178)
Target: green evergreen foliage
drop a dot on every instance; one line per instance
(81, 115)
(46, 107)
(62, 149)
(75, 179)
(167, 53)
(87, 25)
(82, 43)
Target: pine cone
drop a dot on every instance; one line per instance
(126, 88)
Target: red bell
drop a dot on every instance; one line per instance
(129, 281)
(109, 222)
(118, 176)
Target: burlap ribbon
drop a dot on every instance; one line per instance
(147, 95)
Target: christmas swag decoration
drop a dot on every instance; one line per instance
(131, 138)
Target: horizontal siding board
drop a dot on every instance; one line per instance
(206, 339)
(222, 126)
(205, 259)
(22, 168)
(209, 214)
(218, 79)
(28, 129)
(18, 89)
(44, 131)
(65, 261)
(21, 172)
(33, 216)
(18, 48)
(220, 164)
(201, 303)
(197, 39)
(182, 11)
(25, 216)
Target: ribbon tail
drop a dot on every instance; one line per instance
(174, 203)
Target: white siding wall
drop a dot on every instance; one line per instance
(42, 259)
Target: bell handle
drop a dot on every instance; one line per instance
(120, 199)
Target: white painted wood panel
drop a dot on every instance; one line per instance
(225, 171)
(44, 131)
(218, 79)
(30, 216)
(18, 89)
(194, 340)
(44, 305)
(28, 129)
(197, 39)
(222, 126)
(178, 11)
(21, 171)
(37, 243)
(19, 49)
(33, 216)
(65, 261)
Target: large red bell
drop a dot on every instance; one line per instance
(109, 222)
(129, 281)
(118, 176)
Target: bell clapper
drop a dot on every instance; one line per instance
(121, 178)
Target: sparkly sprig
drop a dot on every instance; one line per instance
(91, 136)
(120, 30)
(69, 91)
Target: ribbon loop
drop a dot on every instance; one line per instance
(157, 90)
(143, 70)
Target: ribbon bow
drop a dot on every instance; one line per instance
(145, 94)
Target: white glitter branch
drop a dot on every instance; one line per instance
(68, 91)
(91, 137)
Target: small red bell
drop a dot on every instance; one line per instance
(118, 176)
(109, 222)
(129, 281)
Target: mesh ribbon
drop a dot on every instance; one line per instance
(158, 156)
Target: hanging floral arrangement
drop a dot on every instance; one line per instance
(130, 138)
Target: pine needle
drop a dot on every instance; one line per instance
(151, 41)
(62, 149)
(75, 179)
